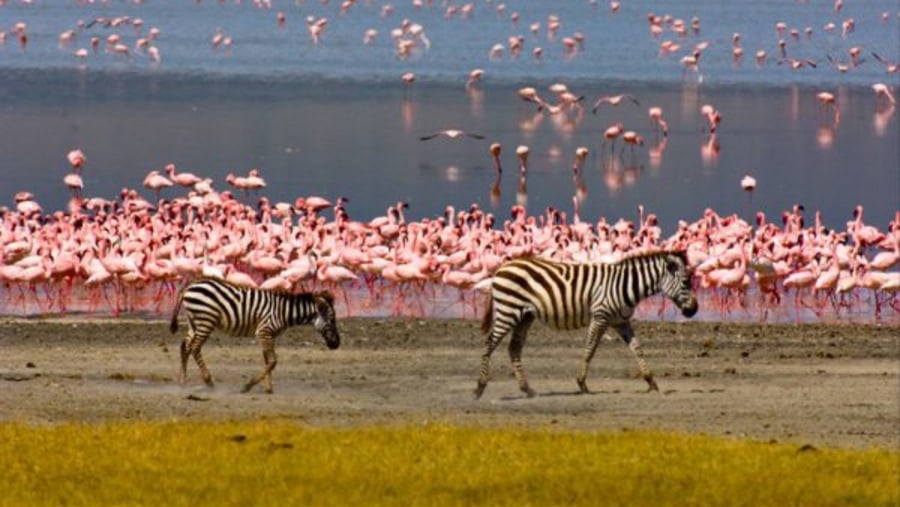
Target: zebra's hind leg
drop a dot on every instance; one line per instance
(185, 354)
(516, 343)
(194, 344)
(595, 332)
(187, 349)
(268, 346)
(635, 345)
(491, 341)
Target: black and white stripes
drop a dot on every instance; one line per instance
(212, 304)
(571, 296)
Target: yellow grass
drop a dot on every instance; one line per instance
(282, 463)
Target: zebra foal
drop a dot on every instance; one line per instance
(572, 296)
(212, 304)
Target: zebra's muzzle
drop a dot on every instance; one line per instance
(329, 333)
(689, 306)
(333, 341)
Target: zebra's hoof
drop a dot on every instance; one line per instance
(529, 392)
(246, 388)
(476, 394)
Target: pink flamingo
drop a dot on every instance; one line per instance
(239, 182)
(495, 187)
(156, 182)
(632, 138)
(614, 100)
(612, 133)
(74, 182)
(474, 76)
(889, 66)
(828, 99)
(748, 184)
(76, 158)
(882, 90)
(452, 134)
(656, 115)
(184, 179)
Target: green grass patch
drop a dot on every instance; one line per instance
(282, 463)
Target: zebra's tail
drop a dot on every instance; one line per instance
(173, 324)
(488, 318)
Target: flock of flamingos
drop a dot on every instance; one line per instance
(130, 254)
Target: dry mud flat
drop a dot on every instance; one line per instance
(834, 385)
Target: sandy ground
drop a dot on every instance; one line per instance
(835, 385)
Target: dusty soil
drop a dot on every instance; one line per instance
(834, 385)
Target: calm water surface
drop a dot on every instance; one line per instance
(334, 119)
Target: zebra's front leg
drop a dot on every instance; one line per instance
(595, 331)
(635, 345)
(516, 343)
(268, 345)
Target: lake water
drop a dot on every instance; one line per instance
(334, 119)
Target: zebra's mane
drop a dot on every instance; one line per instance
(302, 296)
(641, 253)
(653, 253)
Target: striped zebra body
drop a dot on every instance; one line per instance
(212, 304)
(572, 296)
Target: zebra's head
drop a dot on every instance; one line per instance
(326, 323)
(677, 283)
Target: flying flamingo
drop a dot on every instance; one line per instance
(452, 134)
(889, 66)
(613, 100)
(797, 64)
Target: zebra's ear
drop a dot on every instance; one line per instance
(672, 267)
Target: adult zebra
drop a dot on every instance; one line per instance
(213, 304)
(571, 296)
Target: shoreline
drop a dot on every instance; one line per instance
(836, 386)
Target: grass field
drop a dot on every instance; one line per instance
(282, 463)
